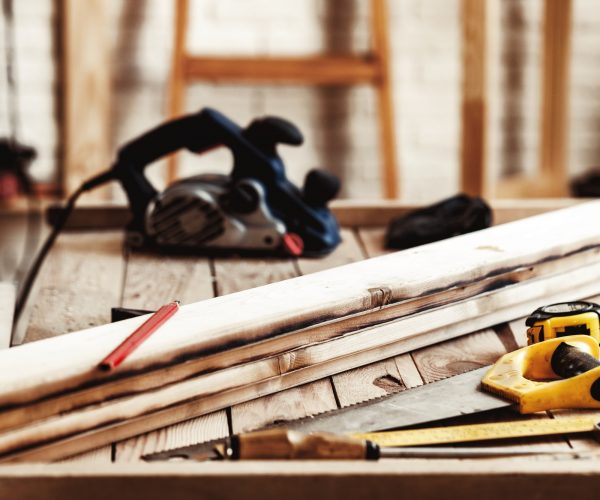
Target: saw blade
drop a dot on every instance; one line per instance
(447, 398)
(451, 397)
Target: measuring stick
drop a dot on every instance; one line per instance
(481, 432)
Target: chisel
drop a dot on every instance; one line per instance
(284, 444)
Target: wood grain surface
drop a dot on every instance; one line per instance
(150, 282)
(7, 305)
(78, 284)
(192, 279)
(405, 274)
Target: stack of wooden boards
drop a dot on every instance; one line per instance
(55, 402)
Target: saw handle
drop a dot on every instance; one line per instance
(276, 444)
(569, 361)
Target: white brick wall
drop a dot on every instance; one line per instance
(339, 124)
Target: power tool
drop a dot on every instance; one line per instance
(564, 319)
(254, 208)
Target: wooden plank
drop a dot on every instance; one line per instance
(298, 402)
(465, 479)
(308, 358)
(208, 393)
(196, 430)
(347, 290)
(80, 281)
(369, 382)
(151, 281)
(458, 355)
(373, 240)
(385, 101)
(349, 212)
(377, 379)
(87, 85)
(177, 77)
(408, 332)
(372, 213)
(473, 119)
(312, 398)
(7, 307)
(235, 274)
(555, 91)
(89, 268)
(316, 70)
(347, 252)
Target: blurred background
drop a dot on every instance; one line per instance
(126, 69)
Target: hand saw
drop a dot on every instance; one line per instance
(459, 395)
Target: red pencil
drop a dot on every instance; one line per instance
(144, 331)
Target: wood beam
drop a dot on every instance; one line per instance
(317, 70)
(366, 306)
(385, 101)
(176, 103)
(89, 428)
(555, 92)
(295, 480)
(356, 288)
(474, 106)
(7, 306)
(86, 68)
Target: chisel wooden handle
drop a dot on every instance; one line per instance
(279, 444)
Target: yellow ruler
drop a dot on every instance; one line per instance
(481, 432)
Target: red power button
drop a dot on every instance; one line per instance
(293, 244)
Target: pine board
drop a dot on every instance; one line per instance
(7, 305)
(150, 282)
(90, 269)
(348, 290)
(138, 294)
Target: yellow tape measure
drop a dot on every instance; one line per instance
(481, 432)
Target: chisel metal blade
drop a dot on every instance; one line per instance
(451, 397)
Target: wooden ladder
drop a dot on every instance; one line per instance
(371, 68)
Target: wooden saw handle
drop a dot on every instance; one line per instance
(287, 444)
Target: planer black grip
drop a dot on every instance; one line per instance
(569, 361)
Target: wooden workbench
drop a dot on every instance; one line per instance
(88, 272)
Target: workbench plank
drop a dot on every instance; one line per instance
(369, 382)
(151, 281)
(373, 240)
(299, 402)
(234, 274)
(384, 377)
(7, 306)
(457, 356)
(211, 426)
(311, 398)
(349, 250)
(346, 290)
(78, 284)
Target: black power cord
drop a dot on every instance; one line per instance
(58, 227)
